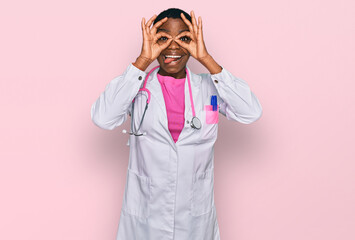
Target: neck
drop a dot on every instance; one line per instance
(177, 75)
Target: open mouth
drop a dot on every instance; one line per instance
(172, 59)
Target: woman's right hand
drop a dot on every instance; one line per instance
(151, 49)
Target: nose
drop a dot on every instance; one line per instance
(174, 44)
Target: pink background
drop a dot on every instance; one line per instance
(290, 175)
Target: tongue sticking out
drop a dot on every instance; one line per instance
(169, 60)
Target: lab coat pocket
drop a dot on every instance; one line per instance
(211, 116)
(209, 128)
(137, 195)
(202, 195)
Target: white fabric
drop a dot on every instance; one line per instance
(169, 186)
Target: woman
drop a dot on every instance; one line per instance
(169, 185)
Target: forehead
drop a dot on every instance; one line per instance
(173, 25)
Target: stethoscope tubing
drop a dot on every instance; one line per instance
(148, 101)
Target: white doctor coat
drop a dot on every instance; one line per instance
(169, 186)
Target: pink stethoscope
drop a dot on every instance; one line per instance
(195, 122)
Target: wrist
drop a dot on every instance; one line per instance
(205, 59)
(142, 62)
(209, 63)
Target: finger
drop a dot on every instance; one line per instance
(147, 26)
(158, 24)
(200, 27)
(162, 34)
(143, 28)
(151, 20)
(182, 44)
(166, 44)
(161, 47)
(189, 34)
(187, 22)
(194, 24)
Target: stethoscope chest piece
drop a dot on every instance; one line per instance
(195, 123)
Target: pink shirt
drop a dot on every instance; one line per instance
(174, 97)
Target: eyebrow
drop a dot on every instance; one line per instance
(165, 30)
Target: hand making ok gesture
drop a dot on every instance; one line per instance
(196, 46)
(151, 49)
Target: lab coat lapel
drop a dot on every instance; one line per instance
(157, 93)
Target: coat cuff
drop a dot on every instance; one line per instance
(135, 73)
(221, 77)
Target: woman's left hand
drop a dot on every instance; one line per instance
(196, 45)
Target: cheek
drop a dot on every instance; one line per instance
(160, 59)
(185, 51)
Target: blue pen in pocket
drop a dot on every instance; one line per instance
(212, 111)
(214, 102)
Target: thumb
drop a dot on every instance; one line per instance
(182, 44)
(166, 44)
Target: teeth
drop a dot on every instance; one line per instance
(172, 56)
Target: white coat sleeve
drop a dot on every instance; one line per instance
(112, 107)
(237, 102)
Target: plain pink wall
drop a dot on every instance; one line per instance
(290, 175)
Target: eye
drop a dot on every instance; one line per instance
(185, 38)
(162, 38)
